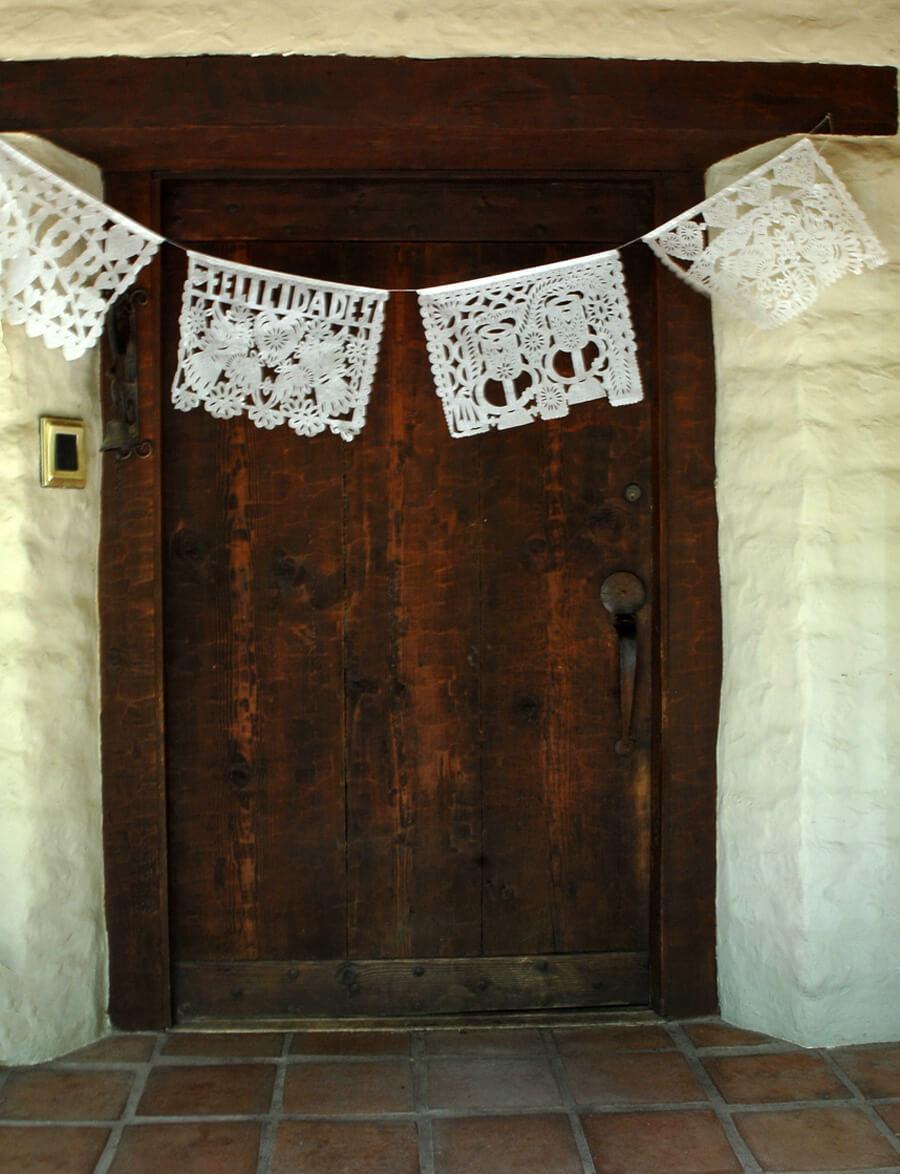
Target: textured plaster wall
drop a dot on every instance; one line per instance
(52, 934)
(777, 30)
(808, 455)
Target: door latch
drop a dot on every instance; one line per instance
(623, 595)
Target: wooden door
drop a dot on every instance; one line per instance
(392, 691)
(656, 122)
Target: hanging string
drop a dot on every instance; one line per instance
(822, 121)
(827, 120)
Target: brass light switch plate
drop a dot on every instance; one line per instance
(63, 455)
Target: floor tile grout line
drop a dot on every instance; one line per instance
(870, 1170)
(423, 1117)
(179, 1061)
(127, 1117)
(424, 1128)
(873, 1170)
(273, 1119)
(567, 1099)
(175, 1061)
(403, 1115)
(297, 1060)
(717, 1102)
(729, 1108)
(861, 1100)
(592, 1108)
(775, 1049)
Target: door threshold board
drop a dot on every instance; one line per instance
(608, 1017)
(396, 988)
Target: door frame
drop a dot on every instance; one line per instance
(143, 120)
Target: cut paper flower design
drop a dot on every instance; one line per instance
(283, 350)
(64, 256)
(509, 349)
(768, 245)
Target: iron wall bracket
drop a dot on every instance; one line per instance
(122, 435)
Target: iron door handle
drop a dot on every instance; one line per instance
(623, 595)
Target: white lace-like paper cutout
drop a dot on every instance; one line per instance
(769, 244)
(506, 350)
(282, 349)
(64, 256)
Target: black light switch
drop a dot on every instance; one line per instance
(66, 452)
(62, 453)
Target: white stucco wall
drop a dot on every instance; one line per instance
(52, 934)
(766, 30)
(808, 457)
(808, 494)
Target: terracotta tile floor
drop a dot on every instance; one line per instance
(664, 1098)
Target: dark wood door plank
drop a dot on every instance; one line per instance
(254, 615)
(432, 208)
(412, 714)
(690, 639)
(435, 535)
(466, 799)
(132, 744)
(390, 986)
(299, 519)
(212, 683)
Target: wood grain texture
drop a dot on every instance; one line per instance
(289, 149)
(130, 605)
(551, 119)
(298, 582)
(474, 93)
(275, 113)
(486, 813)
(518, 842)
(434, 495)
(603, 875)
(690, 641)
(379, 836)
(403, 987)
(255, 672)
(200, 655)
(432, 208)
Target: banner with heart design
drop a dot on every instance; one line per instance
(504, 350)
(768, 245)
(64, 256)
(283, 350)
(521, 346)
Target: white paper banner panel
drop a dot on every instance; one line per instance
(768, 245)
(64, 256)
(527, 345)
(283, 350)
